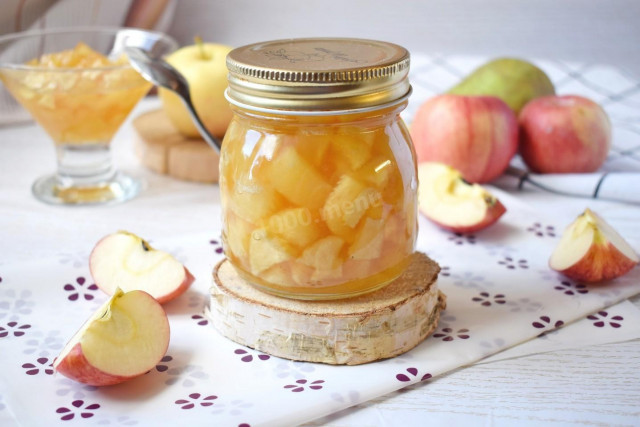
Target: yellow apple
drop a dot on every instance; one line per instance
(204, 67)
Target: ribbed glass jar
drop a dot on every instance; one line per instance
(317, 170)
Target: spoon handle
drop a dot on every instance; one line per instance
(213, 142)
(162, 74)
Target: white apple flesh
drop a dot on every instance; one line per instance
(590, 250)
(122, 340)
(126, 261)
(452, 203)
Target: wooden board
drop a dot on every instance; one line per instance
(161, 148)
(379, 325)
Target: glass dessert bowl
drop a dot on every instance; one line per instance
(78, 85)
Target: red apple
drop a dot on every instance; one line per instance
(126, 261)
(590, 250)
(477, 135)
(564, 134)
(452, 203)
(123, 339)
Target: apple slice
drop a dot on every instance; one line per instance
(265, 251)
(125, 260)
(590, 250)
(324, 257)
(123, 339)
(448, 200)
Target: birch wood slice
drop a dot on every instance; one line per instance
(161, 148)
(379, 325)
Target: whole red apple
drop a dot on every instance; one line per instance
(477, 135)
(564, 134)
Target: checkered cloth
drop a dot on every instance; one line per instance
(617, 91)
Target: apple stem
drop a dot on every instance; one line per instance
(145, 246)
(200, 44)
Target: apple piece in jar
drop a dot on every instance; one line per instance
(232, 155)
(368, 241)
(335, 168)
(311, 147)
(411, 218)
(278, 274)
(323, 256)
(376, 208)
(397, 244)
(237, 235)
(393, 227)
(357, 269)
(253, 202)
(353, 146)
(301, 273)
(297, 180)
(327, 276)
(295, 225)
(266, 250)
(377, 171)
(346, 205)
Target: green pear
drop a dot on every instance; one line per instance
(513, 80)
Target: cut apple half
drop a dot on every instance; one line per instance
(590, 250)
(124, 260)
(123, 339)
(449, 201)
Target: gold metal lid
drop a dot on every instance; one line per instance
(318, 74)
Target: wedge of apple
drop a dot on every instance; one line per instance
(448, 200)
(590, 250)
(127, 261)
(123, 339)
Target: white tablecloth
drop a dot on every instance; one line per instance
(32, 234)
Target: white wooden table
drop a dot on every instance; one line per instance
(598, 385)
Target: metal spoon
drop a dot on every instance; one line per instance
(160, 73)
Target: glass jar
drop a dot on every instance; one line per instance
(317, 170)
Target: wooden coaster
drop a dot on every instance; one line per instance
(379, 325)
(161, 148)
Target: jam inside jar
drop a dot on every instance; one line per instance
(318, 205)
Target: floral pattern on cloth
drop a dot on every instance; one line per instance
(503, 302)
(207, 379)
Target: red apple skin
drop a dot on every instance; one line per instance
(478, 135)
(564, 134)
(601, 262)
(494, 212)
(188, 280)
(76, 367)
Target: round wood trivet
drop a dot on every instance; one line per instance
(379, 325)
(161, 148)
